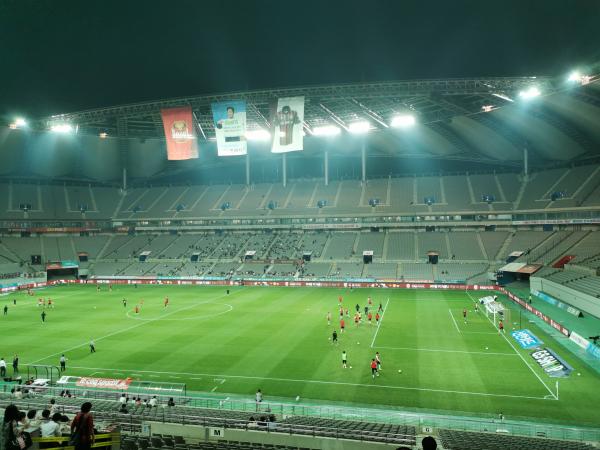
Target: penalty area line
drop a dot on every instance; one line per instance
(380, 322)
(454, 320)
(333, 383)
(446, 351)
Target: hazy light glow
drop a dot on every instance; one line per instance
(532, 92)
(18, 123)
(258, 135)
(404, 121)
(359, 127)
(103, 135)
(62, 128)
(327, 130)
(503, 97)
(577, 77)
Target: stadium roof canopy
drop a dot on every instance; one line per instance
(485, 119)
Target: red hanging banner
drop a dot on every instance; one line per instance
(180, 133)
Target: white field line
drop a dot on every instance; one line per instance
(446, 351)
(221, 381)
(478, 332)
(454, 320)
(335, 383)
(518, 353)
(133, 327)
(380, 322)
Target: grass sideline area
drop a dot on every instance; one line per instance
(278, 340)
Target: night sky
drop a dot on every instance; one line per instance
(61, 56)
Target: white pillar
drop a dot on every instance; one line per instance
(247, 169)
(284, 168)
(326, 168)
(364, 162)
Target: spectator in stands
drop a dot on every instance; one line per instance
(429, 443)
(33, 420)
(153, 402)
(18, 394)
(52, 406)
(10, 425)
(22, 421)
(171, 402)
(50, 426)
(123, 399)
(123, 409)
(65, 427)
(82, 428)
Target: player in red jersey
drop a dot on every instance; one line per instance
(370, 301)
(370, 316)
(377, 318)
(340, 299)
(356, 319)
(374, 368)
(501, 327)
(342, 325)
(137, 309)
(50, 304)
(341, 312)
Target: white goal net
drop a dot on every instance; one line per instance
(495, 311)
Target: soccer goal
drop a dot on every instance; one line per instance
(496, 312)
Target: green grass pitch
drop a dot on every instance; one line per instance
(277, 339)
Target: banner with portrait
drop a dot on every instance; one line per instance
(180, 133)
(288, 116)
(230, 127)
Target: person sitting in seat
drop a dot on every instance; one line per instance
(50, 426)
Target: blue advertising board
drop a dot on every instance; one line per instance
(526, 339)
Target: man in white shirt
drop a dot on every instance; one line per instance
(2, 367)
(52, 407)
(258, 399)
(122, 399)
(153, 401)
(50, 427)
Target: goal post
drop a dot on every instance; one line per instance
(497, 312)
